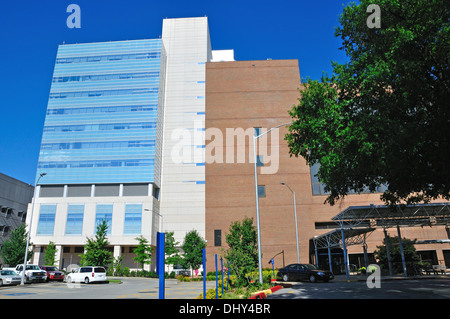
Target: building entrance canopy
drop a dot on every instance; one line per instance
(356, 222)
(386, 216)
(352, 236)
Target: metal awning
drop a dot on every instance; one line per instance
(352, 236)
(357, 221)
(386, 216)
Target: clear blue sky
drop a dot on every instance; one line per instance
(30, 32)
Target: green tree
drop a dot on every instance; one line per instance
(411, 255)
(193, 246)
(50, 253)
(143, 252)
(171, 251)
(96, 252)
(382, 117)
(13, 248)
(243, 249)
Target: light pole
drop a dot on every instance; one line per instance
(162, 220)
(29, 231)
(255, 137)
(295, 216)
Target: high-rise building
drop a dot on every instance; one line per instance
(113, 115)
(156, 135)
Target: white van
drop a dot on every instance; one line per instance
(87, 274)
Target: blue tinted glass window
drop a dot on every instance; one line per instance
(133, 219)
(46, 222)
(101, 122)
(104, 212)
(74, 224)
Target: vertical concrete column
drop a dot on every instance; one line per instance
(58, 256)
(117, 251)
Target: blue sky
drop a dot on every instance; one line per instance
(30, 32)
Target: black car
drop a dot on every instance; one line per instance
(299, 272)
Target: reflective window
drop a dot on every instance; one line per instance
(46, 222)
(74, 224)
(104, 212)
(133, 219)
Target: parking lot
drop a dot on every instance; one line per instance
(129, 288)
(148, 288)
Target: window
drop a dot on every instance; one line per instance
(217, 237)
(259, 160)
(79, 249)
(74, 224)
(257, 131)
(133, 219)
(319, 189)
(104, 212)
(46, 222)
(261, 191)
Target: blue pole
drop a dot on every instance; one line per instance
(221, 266)
(228, 275)
(160, 243)
(273, 267)
(344, 248)
(204, 273)
(217, 288)
(405, 273)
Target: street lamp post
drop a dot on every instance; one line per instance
(160, 216)
(255, 137)
(295, 216)
(29, 231)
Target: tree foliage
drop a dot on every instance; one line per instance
(143, 252)
(96, 252)
(171, 251)
(193, 246)
(50, 253)
(13, 248)
(383, 116)
(411, 255)
(242, 254)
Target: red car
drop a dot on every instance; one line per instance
(53, 273)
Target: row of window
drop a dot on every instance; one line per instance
(75, 216)
(103, 77)
(100, 127)
(103, 109)
(318, 188)
(116, 57)
(88, 145)
(64, 95)
(98, 163)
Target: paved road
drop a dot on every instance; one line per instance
(130, 288)
(395, 289)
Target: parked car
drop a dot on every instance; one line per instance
(32, 273)
(9, 277)
(53, 273)
(299, 272)
(87, 274)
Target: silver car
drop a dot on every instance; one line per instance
(9, 277)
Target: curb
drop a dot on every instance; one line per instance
(263, 294)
